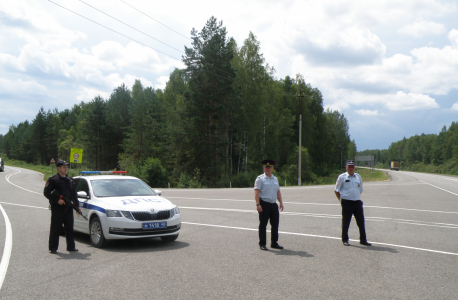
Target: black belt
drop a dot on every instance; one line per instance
(267, 201)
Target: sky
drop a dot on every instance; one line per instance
(391, 67)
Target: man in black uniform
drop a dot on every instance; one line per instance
(64, 185)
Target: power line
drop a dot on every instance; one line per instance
(131, 27)
(137, 41)
(113, 30)
(168, 28)
(154, 19)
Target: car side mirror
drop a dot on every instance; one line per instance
(83, 194)
(158, 192)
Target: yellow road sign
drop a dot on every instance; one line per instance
(76, 155)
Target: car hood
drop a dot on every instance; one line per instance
(135, 203)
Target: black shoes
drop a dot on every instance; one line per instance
(53, 251)
(346, 243)
(365, 243)
(276, 246)
(74, 249)
(263, 247)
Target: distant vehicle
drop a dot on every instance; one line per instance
(2, 166)
(123, 207)
(395, 165)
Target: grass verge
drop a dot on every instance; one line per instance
(47, 171)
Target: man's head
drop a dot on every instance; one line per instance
(268, 166)
(350, 167)
(62, 167)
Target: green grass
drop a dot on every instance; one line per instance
(374, 175)
(365, 174)
(45, 170)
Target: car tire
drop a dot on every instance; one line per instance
(96, 233)
(169, 238)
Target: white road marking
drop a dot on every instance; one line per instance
(7, 248)
(438, 187)
(322, 204)
(8, 179)
(322, 236)
(374, 219)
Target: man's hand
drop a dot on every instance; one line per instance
(61, 202)
(259, 208)
(281, 206)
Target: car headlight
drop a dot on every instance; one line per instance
(127, 214)
(176, 210)
(113, 213)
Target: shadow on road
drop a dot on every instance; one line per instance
(132, 245)
(292, 253)
(377, 248)
(73, 255)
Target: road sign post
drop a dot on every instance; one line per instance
(76, 157)
(52, 166)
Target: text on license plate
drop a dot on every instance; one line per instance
(151, 225)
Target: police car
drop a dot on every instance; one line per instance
(123, 207)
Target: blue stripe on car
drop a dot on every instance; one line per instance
(93, 207)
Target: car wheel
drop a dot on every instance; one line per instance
(96, 232)
(169, 238)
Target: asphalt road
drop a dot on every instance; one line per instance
(411, 220)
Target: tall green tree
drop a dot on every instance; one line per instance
(210, 97)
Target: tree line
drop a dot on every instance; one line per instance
(210, 126)
(425, 152)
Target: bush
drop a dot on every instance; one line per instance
(150, 171)
(244, 179)
(188, 181)
(154, 173)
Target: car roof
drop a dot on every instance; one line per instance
(100, 177)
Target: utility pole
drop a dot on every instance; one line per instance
(300, 96)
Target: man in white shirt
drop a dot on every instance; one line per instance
(266, 193)
(349, 187)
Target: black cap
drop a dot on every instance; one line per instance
(61, 162)
(350, 162)
(267, 162)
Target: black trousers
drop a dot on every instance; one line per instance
(350, 208)
(269, 211)
(57, 219)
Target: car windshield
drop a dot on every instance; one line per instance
(120, 188)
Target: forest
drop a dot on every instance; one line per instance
(432, 153)
(210, 126)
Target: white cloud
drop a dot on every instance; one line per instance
(453, 37)
(161, 82)
(410, 101)
(455, 106)
(423, 28)
(20, 89)
(366, 112)
(133, 56)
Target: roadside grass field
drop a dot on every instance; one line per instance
(366, 174)
(45, 170)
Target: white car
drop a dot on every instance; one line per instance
(123, 207)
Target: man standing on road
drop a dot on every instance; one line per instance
(349, 187)
(64, 185)
(266, 192)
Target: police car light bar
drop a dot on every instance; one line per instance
(103, 172)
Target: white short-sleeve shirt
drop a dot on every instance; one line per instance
(349, 187)
(268, 187)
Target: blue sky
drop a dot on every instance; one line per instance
(389, 66)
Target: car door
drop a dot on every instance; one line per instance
(81, 223)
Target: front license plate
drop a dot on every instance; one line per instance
(153, 225)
